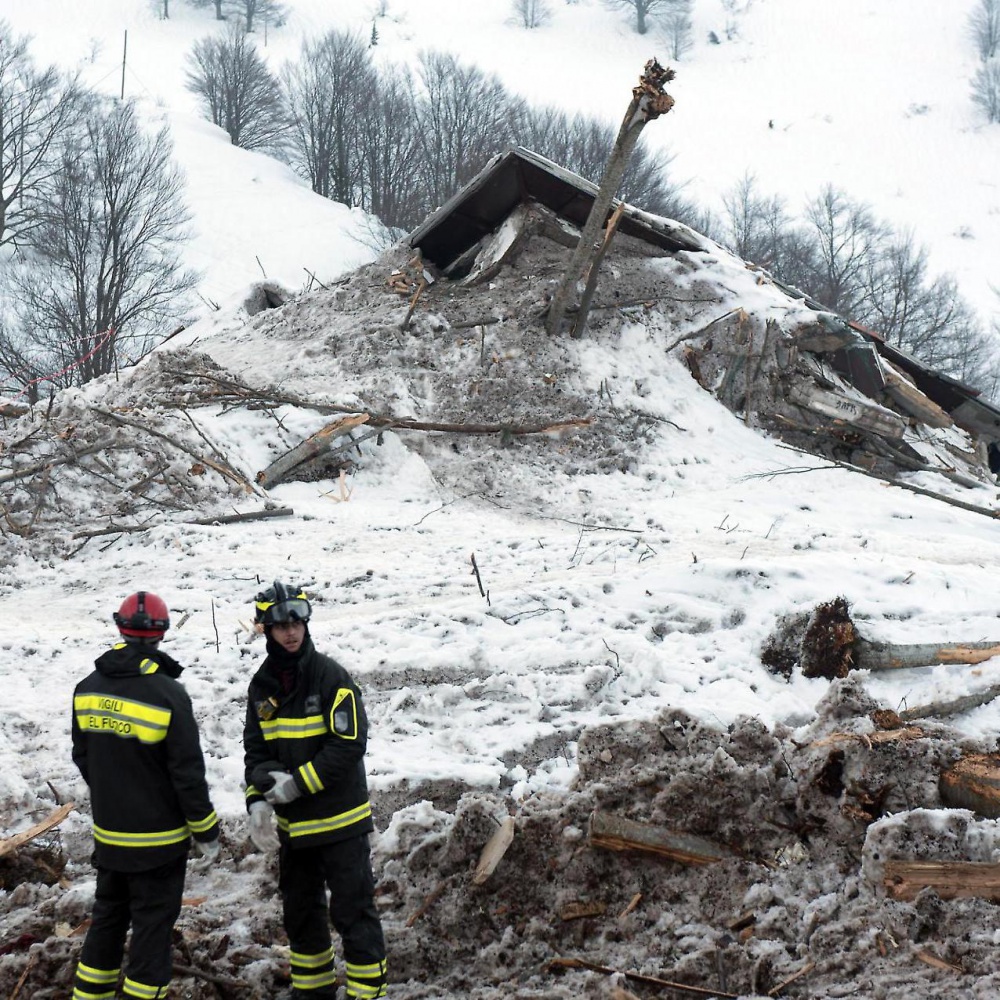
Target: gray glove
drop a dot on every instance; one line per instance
(208, 849)
(284, 789)
(262, 831)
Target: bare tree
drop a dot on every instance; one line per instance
(644, 10)
(676, 28)
(388, 153)
(847, 237)
(984, 28)
(103, 275)
(986, 89)
(237, 91)
(329, 92)
(531, 13)
(759, 229)
(464, 117)
(38, 109)
(252, 12)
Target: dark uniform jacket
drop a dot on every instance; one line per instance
(318, 731)
(135, 741)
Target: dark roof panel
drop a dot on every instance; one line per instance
(518, 175)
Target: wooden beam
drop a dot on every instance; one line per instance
(619, 834)
(949, 879)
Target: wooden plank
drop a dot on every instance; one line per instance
(908, 397)
(493, 852)
(949, 879)
(868, 416)
(619, 834)
(20, 839)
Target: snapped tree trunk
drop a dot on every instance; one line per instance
(649, 101)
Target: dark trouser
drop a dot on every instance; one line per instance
(306, 875)
(150, 901)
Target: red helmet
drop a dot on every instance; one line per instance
(143, 616)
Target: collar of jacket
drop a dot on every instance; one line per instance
(268, 677)
(129, 659)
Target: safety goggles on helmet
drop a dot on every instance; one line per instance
(288, 611)
(281, 603)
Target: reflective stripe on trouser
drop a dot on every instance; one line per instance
(312, 972)
(345, 869)
(143, 992)
(366, 981)
(149, 902)
(95, 984)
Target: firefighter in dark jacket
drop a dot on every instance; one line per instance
(135, 741)
(304, 740)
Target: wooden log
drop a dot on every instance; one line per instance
(929, 958)
(210, 977)
(870, 654)
(619, 834)
(123, 529)
(973, 783)
(944, 709)
(949, 879)
(314, 445)
(20, 839)
(493, 852)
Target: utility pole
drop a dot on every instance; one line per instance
(124, 52)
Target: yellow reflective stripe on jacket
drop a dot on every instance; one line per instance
(117, 838)
(292, 729)
(310, 778)
(201, 825)
(148, 666)
(307, 827)
(102, 713)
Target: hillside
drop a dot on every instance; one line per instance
(558, 619)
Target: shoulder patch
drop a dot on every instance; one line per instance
(344, 715)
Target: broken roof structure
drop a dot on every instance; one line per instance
(862, 384)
